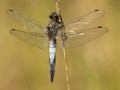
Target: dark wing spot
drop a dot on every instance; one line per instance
(11, 10)
(99, 27)
(13, 29)
(96, 10)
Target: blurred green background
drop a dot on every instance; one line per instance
(93, 66)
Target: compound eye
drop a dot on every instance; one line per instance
(51, 16)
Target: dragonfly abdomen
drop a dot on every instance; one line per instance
(52, 58)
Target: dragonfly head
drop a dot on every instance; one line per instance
(54, 16)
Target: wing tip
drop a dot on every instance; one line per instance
(101, 27)
(12, 29)
(99, 11)
(10, 11)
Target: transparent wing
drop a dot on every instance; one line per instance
(35, 39)
(84, 21)
(28, 25)
(32, 31)
(79, 37)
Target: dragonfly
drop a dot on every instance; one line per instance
(77, 32)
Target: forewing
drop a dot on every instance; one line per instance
(79, 37)
(35, 39)
(28, 25)
(84, 21)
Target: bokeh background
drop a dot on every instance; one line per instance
(93, 66)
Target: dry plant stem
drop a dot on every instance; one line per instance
(66, 69)
(63, 39)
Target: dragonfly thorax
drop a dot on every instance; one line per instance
(54, 17)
